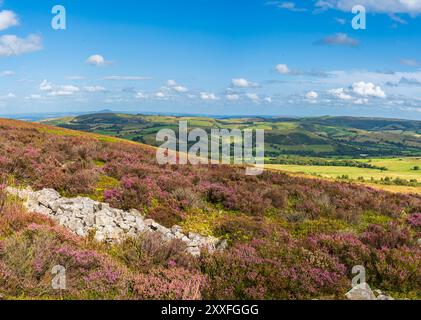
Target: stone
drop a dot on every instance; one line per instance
(381, 296)
(194, 251)
(99, 236)
(361, 292)
(176, 229)
(81, 215)
(102, 218)
(47, 196)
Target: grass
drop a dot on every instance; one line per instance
(401, 168)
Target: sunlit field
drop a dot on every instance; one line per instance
(397, 168)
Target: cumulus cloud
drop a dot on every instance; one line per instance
(141, 95)
(339, 39)
(161, 95)
(8, 19)
(233, 97)
(312, 95)
(45, 86)
(61, 90)
(340, 93)
(282, 69)
(243, 83)
(11, 45)
(208, 96)
(65, 90)
(368, 89)
(96, 60)
(253, 97)
(172, 84)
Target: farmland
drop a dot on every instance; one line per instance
(399, 175)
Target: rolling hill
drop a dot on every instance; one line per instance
(317, 137)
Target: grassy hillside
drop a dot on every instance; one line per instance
(289, 237)
(321, 137)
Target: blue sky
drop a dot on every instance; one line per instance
(224, 57)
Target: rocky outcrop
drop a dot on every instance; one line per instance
(83, 215)
(364, 292)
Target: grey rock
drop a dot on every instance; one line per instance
(361, 292)
(81, 215)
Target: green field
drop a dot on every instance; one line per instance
(397, 168)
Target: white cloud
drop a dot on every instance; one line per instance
(171, 83)
(253, 97)
(93, 89)
(290, 6)
(268, 100)
(7, 19)
(340, 93)
(11, 45)
(96, 60)
(180, 89)
(312, 95)
(45, 86)
(233, 97)
(282, 69)
(65, 90)
(141, 95)
(208, 96)
(361, 101)
(380, 6)
(7, 73)
(339, 39)
(368, 89)
(62, 90)
(243, 83)
(161, 95)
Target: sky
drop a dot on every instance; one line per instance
(215, 57)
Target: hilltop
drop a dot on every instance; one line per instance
(288, 237)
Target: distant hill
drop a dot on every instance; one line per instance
(318, 137)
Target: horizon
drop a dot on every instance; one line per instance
(39, 116)
(269, 59)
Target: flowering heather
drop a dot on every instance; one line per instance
(289, 237)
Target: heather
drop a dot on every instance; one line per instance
(289, 237)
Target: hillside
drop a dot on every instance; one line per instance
(320, 137)
(288, 237)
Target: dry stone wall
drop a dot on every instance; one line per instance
(83, 215)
